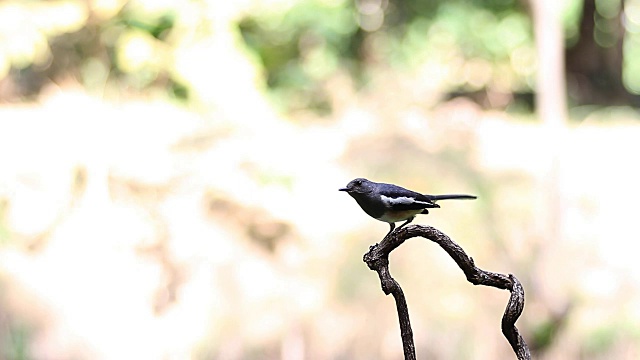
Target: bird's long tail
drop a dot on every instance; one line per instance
(452, 197)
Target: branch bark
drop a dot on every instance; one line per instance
(378, 260)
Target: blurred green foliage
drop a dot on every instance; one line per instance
(303, 46)
(139, 46)
(478, 45)
(544, 335)
(16, 345)
(601, 341)
(15, 335)
(125, 46)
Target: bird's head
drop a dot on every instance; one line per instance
(359, 186)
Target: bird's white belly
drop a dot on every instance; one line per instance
(396, 216)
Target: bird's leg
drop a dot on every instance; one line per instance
(406, 222)
(391, 227)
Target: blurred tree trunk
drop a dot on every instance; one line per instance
(551, 89)
(551, 108)
(594, 63)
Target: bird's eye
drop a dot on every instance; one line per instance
(358, 182)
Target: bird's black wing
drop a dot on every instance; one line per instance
(398, 198)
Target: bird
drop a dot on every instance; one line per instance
(391, 203)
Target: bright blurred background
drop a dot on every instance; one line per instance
(169, 175)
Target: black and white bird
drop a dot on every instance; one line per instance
(391, 203)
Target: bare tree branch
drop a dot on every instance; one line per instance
(378, 260)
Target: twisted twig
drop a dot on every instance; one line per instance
(378, 260)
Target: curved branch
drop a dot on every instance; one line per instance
(378, 260)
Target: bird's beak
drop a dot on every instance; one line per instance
(343, 189)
